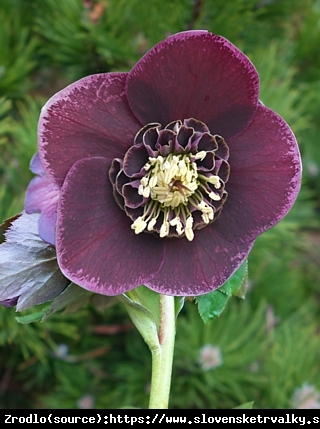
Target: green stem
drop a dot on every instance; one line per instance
(162, 356)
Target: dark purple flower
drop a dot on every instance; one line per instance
(165, 175)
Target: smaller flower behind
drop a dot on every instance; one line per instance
(86, 402)
(210, 357)
(306, 397)
(61, 351)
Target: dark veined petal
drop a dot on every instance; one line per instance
(96, 247)
(195, 74)
(90, 117)
(198, 267)
(264, 180)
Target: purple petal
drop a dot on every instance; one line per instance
(96, 247)
(131, 196)
(207, 164)
(10, 302)
(165, 142)
(198, 267)
(223, 149)
(184, 138)
(42, 196)
(134, 161)
(196, 125)
(265, 176)
(195, 74)
(206, 142)
(91, 117)
(36, 166)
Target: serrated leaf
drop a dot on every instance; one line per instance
(241, 292)
(236, 280)
(28, 265)
(211, 305)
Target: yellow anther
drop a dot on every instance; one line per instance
(168, 184)
(151, 224)
(139, 225)
(164, 230)
(214, 180)
(214, 196)
(201, 155)
(146, 192)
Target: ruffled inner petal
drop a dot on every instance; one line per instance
(135, 158)
(206, 142)
(96, 246)
(131, 196)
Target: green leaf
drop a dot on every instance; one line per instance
(142, 318)
(236, 281)
(245, 406)
(241, 292)
(179, 303)
(148, 299)
(30, 318)
(212, 304)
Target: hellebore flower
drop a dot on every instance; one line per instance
(165, 175)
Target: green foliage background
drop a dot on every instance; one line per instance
(270, 341)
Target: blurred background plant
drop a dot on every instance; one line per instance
(264, 348)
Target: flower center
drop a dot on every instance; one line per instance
(174, 183)
(172, 180)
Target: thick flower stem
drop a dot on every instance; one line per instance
(162, 356)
